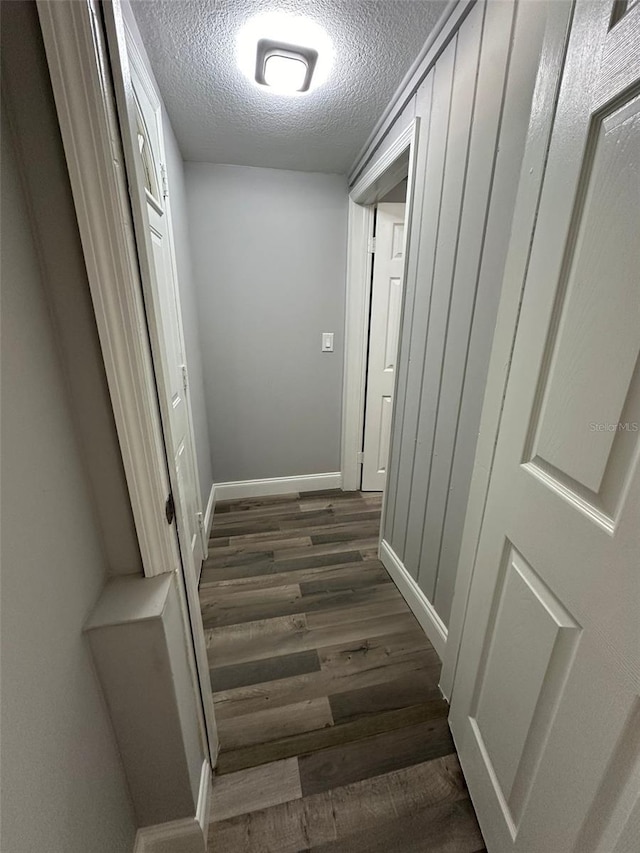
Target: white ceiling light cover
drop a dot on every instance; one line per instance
(285, 29)
(284, 73)
(285, 67)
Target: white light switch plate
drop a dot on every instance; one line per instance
(327, 342)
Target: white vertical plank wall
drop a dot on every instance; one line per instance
(474, 105)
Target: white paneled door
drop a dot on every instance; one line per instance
(386, 301)
(546, 702)
(140, 116)
(150, 146)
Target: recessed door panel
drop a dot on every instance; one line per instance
(385, 433)
(529, 634)
(589, 404)
(394, 297)
(397, 240)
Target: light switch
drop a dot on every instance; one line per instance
(327, 342)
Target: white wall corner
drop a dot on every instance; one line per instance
(188, 835)
(276, 486)
(422, 608)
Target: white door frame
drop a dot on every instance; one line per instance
(374, 184)
(79, 66)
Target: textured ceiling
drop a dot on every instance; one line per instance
(220, 116)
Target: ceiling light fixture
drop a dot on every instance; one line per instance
(285, 67)
(284, 54)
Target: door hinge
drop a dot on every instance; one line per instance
(165, 183)
(360, 457)
(372, 245)
(200, 520)
(185, 377)
(170, 509)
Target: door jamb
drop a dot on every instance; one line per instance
(376, 181)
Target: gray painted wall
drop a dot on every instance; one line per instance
(269, 261)
(63, 787)
(469, 159)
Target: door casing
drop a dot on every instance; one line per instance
(397, 162)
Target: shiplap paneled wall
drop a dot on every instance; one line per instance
(474, 107)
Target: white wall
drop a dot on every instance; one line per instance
(63, 787)
(269, 259)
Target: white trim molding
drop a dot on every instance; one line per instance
(208, 515)
(369, 188)
(187, 835)
(358, 296)
(361, 192)
(423, 610)
(275, 486)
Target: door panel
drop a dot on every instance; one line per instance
(548, 681)
(394, 298)
(386, 301)
(595, 317)
(529, 646)
(173, 357)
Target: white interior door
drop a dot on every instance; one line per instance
(140, 118)
(386, 301)
(546, 702)
(151, 149)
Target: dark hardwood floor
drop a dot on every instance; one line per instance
(332, 728)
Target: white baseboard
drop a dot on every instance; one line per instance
(208, 515)
(187, 835)
(423, 610)
(203, 808)
(276, 486)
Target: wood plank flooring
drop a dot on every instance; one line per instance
(333, 732)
